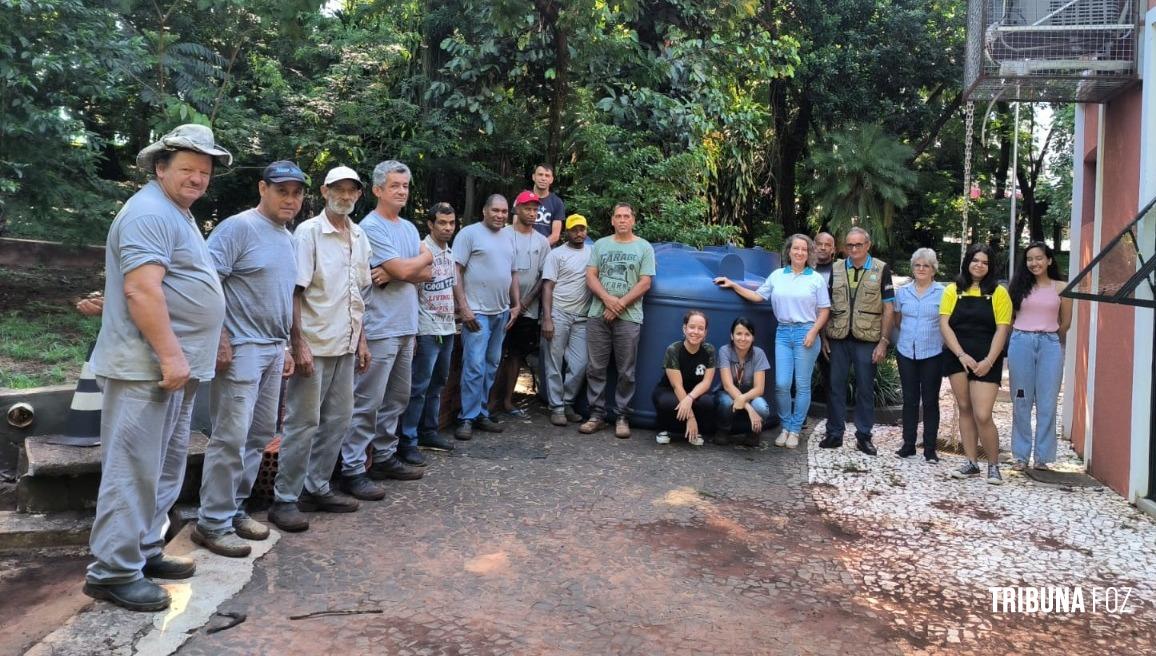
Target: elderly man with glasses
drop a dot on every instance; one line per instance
(862, 299)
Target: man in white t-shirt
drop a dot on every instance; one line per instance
(565, 302)
(435, 336)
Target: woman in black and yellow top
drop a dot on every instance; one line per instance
(975, 318)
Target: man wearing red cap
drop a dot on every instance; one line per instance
(530, 249)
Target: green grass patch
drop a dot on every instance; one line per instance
(43, 345)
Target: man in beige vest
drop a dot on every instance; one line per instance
(856, 336)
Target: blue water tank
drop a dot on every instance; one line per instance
(684, 281)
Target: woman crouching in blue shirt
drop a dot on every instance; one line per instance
(799, 297)
(920, 345)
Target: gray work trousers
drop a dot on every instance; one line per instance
(602, 338)
(144, 434)
(316, 419)
(380, 397)
(244, 406)
(564, 358)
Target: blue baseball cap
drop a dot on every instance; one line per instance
(283, 171)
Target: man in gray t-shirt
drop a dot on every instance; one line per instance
(163, 314)
(399, 262)
(565, 302)
(486, 293)
(254, 256)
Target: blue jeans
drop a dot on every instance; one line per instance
(481, 355)
(728, 420)
(844, 354)
(1036, 362)
(431, 369)
(794, 362)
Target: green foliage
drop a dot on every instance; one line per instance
(859, 178)
(888, 389)
(48, 342)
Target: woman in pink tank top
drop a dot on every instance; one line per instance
(1035, 354)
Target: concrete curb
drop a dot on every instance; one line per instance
(101, 628)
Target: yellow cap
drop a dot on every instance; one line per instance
(575, 220)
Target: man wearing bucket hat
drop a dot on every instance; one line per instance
(161, 324)
(565, 302)
(327, 344)
(253, 253)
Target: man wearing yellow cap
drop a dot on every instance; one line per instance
(565, 302)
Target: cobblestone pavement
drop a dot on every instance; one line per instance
(543, 541)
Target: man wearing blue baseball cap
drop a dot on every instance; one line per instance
(255, 258)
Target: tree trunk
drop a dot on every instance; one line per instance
(999, 176)
(792, 138)
(561, 87)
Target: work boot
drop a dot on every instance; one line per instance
(488, 425)
(140, 595)
(229, 545)
(622, 428)
(362, 487)
(411, 455)
(435, 442)
(572, 415)
(173, 568)
(558, 418)
(394, 468)
(593, 425)
(464, 431)
(330, 502)
(250, 529)
(866, 446)
(286, 516)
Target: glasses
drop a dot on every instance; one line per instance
(856, 244)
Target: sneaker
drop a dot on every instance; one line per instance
(362, 487)
(593, 425)
(331, 502)
(464, 431)
(751, 440)
(435, 442)
(906, 451)
(1042, 466)
(622, 428)
(171, 568)
(572, 416)
(695, 441)
(1019, 465)
(558, 418)
(488, 425)
(993, 477)
(286, 516)
(966, 470)
(229, 545)
(931, 456)
(393, 467)
(140, 595)
(781, 440)
(517, 413)
(792, 440)
(663, 437)
(411, 455)
(250, 529)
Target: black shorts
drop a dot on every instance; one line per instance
(952, 365)
(523, 337)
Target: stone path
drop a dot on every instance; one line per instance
(540, 541)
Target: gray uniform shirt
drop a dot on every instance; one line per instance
(487, 258)
(530, 252)
(566, 266)
(151, 229)
(256, 261)
(390, 311)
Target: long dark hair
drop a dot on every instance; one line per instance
(1023, 281)
(964, 281)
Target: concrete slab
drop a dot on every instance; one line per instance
(105, 629)
(42, 458)
(29, 531)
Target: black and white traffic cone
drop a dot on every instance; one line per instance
(83, 424)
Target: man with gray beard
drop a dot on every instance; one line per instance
(326, 343)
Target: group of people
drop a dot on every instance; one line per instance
(358, 320)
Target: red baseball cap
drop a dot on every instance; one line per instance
(527, 197)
